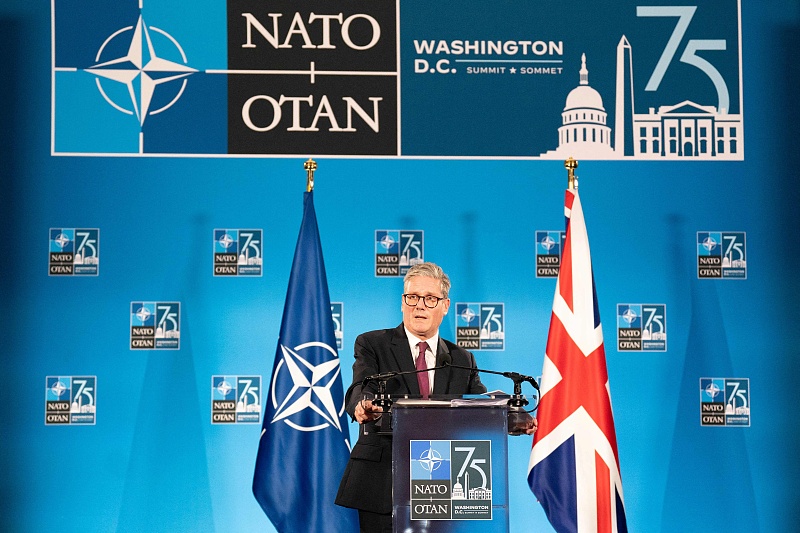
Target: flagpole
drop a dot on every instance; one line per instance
(574, 469)
(570, 164)
(303, 449)
(310, 167)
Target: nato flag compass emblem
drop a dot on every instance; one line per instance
(140, 70)
(301, 390)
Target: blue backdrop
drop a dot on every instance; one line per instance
(154, 460)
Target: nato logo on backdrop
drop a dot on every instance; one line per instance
(725, 402)
(155, 325)
(397, 250)
(548, 252)
(721, 255)
(235, 399)
(451, 479)
(162, 77)
(480, 326)
(642, 327)
(70, 400)
(74, 252)
(238, 252)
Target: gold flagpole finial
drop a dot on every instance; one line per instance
(571, 164)
(310, 167)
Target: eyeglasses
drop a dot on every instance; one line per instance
(431, 301)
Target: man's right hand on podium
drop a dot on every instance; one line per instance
(367, 411)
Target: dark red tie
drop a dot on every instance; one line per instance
(422, 377)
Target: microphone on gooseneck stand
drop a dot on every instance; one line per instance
(517, 399)
(446, 360)
(384, 399)
(516, 377)
(517, 417)
(384, 377)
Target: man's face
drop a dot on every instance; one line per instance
(418, 319)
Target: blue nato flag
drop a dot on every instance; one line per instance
(304, 445)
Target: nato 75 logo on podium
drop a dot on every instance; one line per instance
(451, 479)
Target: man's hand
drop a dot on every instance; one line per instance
(521, 423)
(366, 411)
(532, 426)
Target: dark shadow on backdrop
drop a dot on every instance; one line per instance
(11, 38)
(784, 179)
(167, 485)
(709, 473)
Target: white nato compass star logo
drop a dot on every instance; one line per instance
(547, 243)
(141, 70)
(712, 390)
(62, 240)
(468, 314)
(430, 460)
(310, 388)
(226, 241)
(143, 314)
(58, 388)
(387, 241)
(224, 388)
(709, 243)
(629, 316)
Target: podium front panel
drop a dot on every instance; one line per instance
(450, 468)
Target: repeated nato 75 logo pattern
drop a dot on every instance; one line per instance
(70, 400)
(74, 252)
(155, 325)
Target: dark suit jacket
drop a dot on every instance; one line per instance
(367, 480)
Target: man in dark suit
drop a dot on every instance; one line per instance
(367, 481)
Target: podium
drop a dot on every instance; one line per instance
(450, 466)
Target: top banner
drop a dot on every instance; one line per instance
(416, 79)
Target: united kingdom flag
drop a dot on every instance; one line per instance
(574, 465)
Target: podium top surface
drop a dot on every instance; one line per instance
(455, 402)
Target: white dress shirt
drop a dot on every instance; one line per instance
(430, 354)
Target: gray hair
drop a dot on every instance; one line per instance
(428, 270)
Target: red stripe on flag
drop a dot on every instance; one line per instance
(583, 384)
(565, 269)
(603, 495)
(577, 381)
(569, 198)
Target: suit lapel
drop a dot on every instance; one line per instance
(404, 359)
(441, 378)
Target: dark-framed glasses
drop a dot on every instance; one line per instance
(431, 301)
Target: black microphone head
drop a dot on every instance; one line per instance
(447, 359)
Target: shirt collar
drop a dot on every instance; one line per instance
(413, 340)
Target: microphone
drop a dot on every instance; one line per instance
(384, 400)
(386, 376)
(516, 377)
(445, 361)
(518, 418)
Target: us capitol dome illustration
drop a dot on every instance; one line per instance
(584, 128)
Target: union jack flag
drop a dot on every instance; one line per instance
(574, 465)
